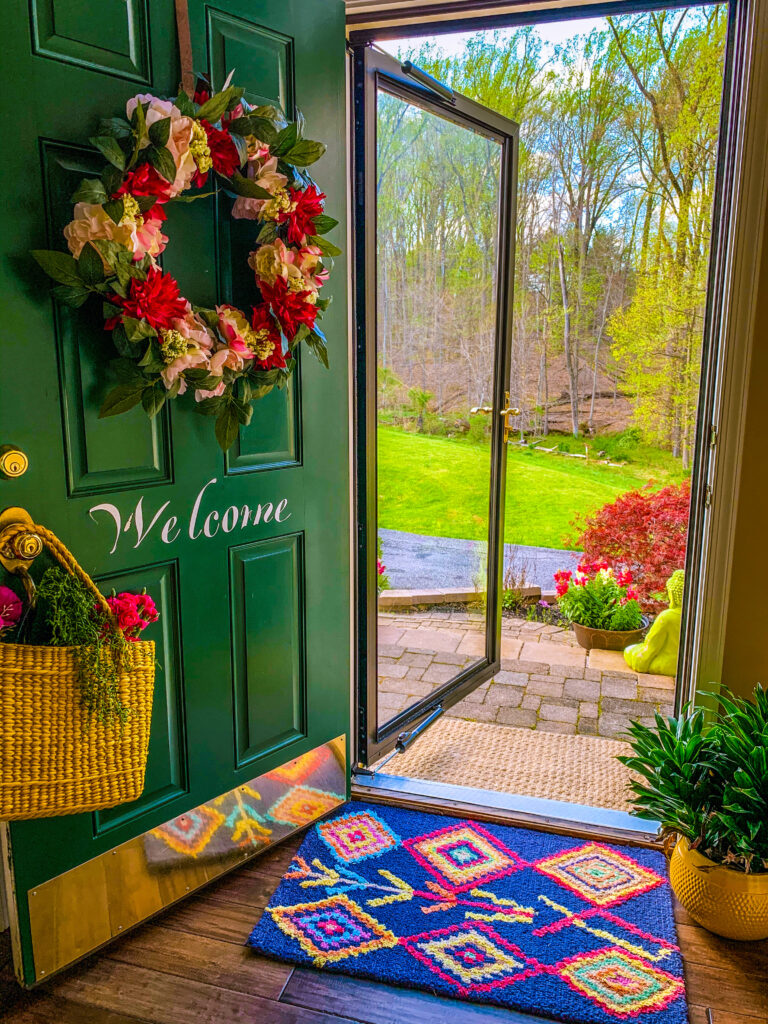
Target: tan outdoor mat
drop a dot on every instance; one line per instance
(577, 769)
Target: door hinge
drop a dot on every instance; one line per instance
(707, 496)
(713, 436)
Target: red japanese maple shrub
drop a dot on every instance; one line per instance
(644, 531)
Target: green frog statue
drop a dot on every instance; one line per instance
(657, 654)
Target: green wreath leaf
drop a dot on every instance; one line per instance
(304, 153)
(120, 399)
(160, 131)
(117, 127)
(245, 187)
(71, 295)
(112, 178)
(89, 265)
(327, 248)
(153, 399)
(90, 190)
(324, 223)
(220, 103)
(162, 161)
(115, 209)
(59, 265)
(210, 406)
(227, 425)
(267, 234)
(318, 347)
(110, 149)
(137, 330)
(185, 104)
(250, 124)
(286, 140)
(127, 372)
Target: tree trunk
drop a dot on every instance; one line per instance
(567, 347)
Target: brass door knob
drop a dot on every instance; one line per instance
(13, 462)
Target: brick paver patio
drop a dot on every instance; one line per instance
(547, 681)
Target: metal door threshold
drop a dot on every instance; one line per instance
(488, 805)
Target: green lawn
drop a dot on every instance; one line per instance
(439, 487)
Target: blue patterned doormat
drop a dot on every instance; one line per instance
(574, 930)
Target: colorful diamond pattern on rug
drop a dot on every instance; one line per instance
(357, 836)
(623, 984)
(486, 913)
(301, 805)
(332, 929)
(599, 874)
(472, 956)
(461, 857)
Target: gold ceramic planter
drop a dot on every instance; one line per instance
(726, 902)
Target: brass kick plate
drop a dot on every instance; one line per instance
(84, 908)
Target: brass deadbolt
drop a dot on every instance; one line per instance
(13, 462)
(26, 546)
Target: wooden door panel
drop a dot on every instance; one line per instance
(167, 766)
(108, 36)
(101, 455)
(263, 59)
(268, 645)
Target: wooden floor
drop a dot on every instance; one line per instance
(190, 967)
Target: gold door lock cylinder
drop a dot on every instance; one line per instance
(13, 462)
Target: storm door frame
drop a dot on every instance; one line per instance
(373, 69)
(740, 202)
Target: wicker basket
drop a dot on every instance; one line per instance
(55, 757)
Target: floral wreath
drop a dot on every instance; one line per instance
(160, 151)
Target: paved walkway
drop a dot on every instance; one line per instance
(416, 562)
(547, 681)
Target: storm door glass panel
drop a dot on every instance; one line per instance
(438, 188)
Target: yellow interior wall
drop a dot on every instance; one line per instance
(745, 660)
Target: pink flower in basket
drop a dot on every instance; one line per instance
(133, 612)
(10, 608)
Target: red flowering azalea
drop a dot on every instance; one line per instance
(156, 300)
(291, 308)
(309, 204)
(642, 532)
(224, 154)
(263, 320)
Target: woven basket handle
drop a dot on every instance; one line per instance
(65, 557)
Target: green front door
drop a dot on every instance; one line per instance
(253, 638)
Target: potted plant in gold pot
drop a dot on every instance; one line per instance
(707, 783)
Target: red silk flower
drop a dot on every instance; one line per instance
(224, 154)
(309, 204)
(290, 308)
(156, 300)
(263, 320)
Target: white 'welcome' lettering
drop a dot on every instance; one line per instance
(170, 530)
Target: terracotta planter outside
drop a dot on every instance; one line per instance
(608, 639)
(726, 902)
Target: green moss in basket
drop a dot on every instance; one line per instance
(66, 617)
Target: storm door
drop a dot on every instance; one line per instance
(435, 177)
